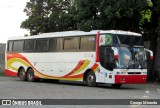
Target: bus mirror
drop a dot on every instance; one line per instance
(115, 57)
(151, 57)
(150, 54)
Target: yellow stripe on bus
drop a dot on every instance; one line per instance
(86, 63)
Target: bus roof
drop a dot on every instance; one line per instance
(75, 33)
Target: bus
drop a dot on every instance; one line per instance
(99, 56)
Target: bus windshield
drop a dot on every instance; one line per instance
(131, 58)
(130, 40)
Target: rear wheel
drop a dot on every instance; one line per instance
(116, 85)
(30, 75)
(91, 79)
(22, 75)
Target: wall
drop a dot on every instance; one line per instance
(2, 57)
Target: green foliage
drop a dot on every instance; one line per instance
(61, 15)
(47, 16)
(146, 14)
(109, 14)
(158, 11)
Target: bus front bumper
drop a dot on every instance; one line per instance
(130, 79)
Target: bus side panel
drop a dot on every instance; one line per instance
(64, 66)
(16, 60)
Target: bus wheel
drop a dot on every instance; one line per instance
(22, 75)
(91, 79)
(30, 75)
(116, 85)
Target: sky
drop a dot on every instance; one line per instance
(11, 16)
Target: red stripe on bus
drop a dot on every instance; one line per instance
(97, 46)
(10, 73)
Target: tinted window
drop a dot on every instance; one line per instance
(130, 40)
(29, 45)
(71, 43)
(138, 40)
(10, 46)
(18, 46)
(88, 43)
(42, 45)
(56, 44)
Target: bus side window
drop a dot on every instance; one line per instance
(71, 44)
(42, 45)
(106, 55)
(56, 44)
(29, 45)
(18, 46)
(87, 43)
(10, 46)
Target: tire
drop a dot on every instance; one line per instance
(116, 85)
(30, 75)
(91, 79)
(22, 75)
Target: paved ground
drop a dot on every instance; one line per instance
(13, 88)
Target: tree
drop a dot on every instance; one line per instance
(60, 15)
(47, 16)
(150, 31)
(109, 14)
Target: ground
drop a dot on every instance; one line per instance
(13, 88)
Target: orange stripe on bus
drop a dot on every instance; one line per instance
(94, 66)
(80, 63)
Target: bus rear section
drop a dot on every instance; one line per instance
(124, 58)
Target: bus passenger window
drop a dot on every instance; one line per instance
(56, 44)
(42, 45)
(88, 43)
(10, 46)
(29, 45)
(71, 44)
(18, 46)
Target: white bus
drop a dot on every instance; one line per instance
(113, 57)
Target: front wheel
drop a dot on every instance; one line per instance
(30, 75)
(91, 79)
(116, 85)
